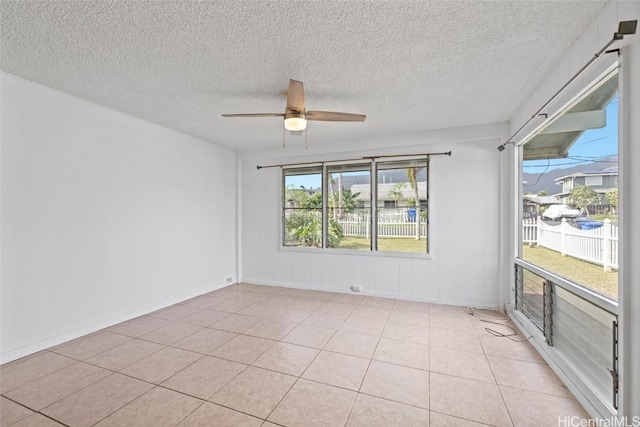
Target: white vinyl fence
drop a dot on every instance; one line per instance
(396, 223)
(597, 246)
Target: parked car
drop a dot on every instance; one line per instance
(556, 212)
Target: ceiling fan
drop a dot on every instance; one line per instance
(295, 116)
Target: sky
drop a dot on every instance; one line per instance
(314, 181)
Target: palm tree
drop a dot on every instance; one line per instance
(412, 174)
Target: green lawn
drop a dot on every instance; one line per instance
(584, 273)
(390, 244)
(602, 217)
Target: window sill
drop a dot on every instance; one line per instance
(331, 251)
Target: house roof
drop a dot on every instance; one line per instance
(543, 200)
(607, 172)
(385, 188)
(410, 66)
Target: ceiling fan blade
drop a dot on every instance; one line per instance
(332, 116)
(255, 115)
(295, 96)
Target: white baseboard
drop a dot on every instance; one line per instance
(365, 292)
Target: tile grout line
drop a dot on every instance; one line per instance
(292, 385)
(369, 365)
(35, 411)
(498, 386)
(300, 377)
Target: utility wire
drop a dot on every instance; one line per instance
(495, 317)
(540, 176)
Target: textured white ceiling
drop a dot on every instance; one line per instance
(409, 65)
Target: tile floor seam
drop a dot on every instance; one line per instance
(34, 412)
(367, 370)
(130, 336)
(292, 385)
(18, 403)
(463, 418)
(504, 402)
(394, 401)
(180, 392)
(145, 381)
(207, 399)
(180, 339)
(190, 413)
(251, 363)
(572, 396)
(53, 419)
(124, 367)
(39, 378)
(64, 397)
(458, 376)
(275, 406)
(372, 355)
(126, 404)
(282, 398)
(330, 385)
(58, 421)
(408, 366)
(195, 351)
(135, 338)
(202, 402)
(555, 396)
(230, 408)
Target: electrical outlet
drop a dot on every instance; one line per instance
(356, 288)
(229, 279)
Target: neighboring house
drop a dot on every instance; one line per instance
(533, 205)
(294, 195)
(601, 182)
(386, 196)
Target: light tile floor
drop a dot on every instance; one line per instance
(250, 355)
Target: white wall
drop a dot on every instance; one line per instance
(599, 33)
(464, 201)
(104, 217)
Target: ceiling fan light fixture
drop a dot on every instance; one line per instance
(295, 122)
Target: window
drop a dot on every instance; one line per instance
(566, 275)
(302, 207)
(402, 230)
(593, 180)
(349, 224)
(372, 206)
(579, 241)
(567, 185)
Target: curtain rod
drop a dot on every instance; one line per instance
(624, 28)
(446, 153)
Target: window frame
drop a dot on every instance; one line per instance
(310, 170)
(371, 166)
